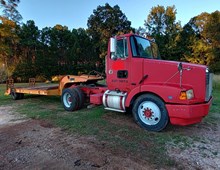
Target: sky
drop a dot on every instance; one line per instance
(75, 13)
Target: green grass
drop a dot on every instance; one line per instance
(96, 122)
(214, 114)
(4, 99)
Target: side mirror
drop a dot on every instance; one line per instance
(113, 43)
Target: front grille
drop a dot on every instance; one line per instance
(209, 78)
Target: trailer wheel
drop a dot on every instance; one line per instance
(149, 112)
(80, 96)
(20, 95)
(69, 99)
(14, 95)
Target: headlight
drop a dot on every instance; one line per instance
(189, 94)
(186, 95)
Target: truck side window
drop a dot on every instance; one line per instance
(133, 46)
(122, 48)
(141, 47)
(155, 51)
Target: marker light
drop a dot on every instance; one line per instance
(182, 95)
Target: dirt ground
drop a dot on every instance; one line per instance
(204, 151)
(33, 144)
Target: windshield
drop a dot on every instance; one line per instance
(144, 48)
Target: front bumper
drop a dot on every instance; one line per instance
(188, 114)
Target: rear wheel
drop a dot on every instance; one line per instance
(149, 112)
(70, 99)
(80, 96)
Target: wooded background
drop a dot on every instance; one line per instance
(26, 51)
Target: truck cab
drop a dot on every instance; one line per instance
(156, 91)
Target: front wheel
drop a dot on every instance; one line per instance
(149, 112)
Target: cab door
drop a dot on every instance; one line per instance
(118, 67)
(141, 53)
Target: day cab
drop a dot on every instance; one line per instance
(156, 91)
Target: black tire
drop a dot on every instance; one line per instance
(80, 96)
(70, 99)
(14, 95)
(150, 112)
(20, 95)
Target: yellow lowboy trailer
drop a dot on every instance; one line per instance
(39, 90)
(50, 90)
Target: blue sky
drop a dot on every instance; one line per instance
(75, 13)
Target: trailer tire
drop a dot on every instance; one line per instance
(69, 99)
(80, 96)
(14, 95)
(150, 112)
(20, 95)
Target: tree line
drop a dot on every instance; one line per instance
(26, 51)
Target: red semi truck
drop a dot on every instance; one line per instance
(155, 91)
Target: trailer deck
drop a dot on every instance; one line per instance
(50, 89)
